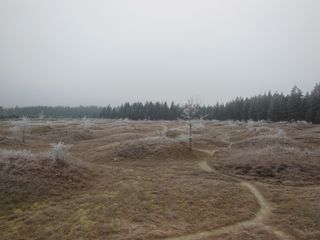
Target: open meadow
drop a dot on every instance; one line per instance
(135, 180)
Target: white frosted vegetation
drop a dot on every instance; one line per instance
(190, 111)
(280, 133)
(87, 123)
(278, 148)
(41, 116)
(21, 128)
(163, 131)
(7, 154)
(16, 154)
(199, 124)
(60, 152)
(182, 138)
(250, 125)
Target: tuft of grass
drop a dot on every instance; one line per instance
(16, 154)
(60, 152)
(87, 123)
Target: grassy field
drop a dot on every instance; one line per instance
(138, 180)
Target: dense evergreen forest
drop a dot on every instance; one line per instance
(269, 106)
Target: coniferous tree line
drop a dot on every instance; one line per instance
(273, 107)
(269, 106)
(149, 110)
(53, 112)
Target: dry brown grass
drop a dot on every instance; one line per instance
(281, 160)
(258, 233)
(124, 181)
(296, 209)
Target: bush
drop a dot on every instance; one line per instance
(60, 152)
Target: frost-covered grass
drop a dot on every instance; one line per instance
(163, 131)
(231, 123)
(198, 125)
(87, 123)
(303, 122)
(280, 133)
(16, 154)
(252, 125)
(279, 148)
(136, 156)
(182, 138)
(120, 122)
(6, 154)
(60, 152)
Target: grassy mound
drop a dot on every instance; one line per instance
(10, 141)
(71, 135)
(25, 177)
(271, 160)
(152, 148)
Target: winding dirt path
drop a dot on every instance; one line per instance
(260, 215)
(263, 213)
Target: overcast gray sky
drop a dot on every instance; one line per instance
(72, 52)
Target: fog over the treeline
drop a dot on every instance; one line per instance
(73, 52)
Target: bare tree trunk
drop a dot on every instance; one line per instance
(190, 135)
(23, 136)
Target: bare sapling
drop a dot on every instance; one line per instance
(41, 116)
(21, 128)
(190, 111)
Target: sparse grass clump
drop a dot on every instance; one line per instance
(280, 133)
(163, 132)
(183, 138)
(22, 154)
(16, 154)
(60, 152)
(199, 125)
(87, 123)
(278, 148)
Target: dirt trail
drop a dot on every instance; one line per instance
(260, 215)
(258, 220)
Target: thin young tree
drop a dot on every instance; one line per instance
(41, 116)
(190, 111)
(21, 128)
